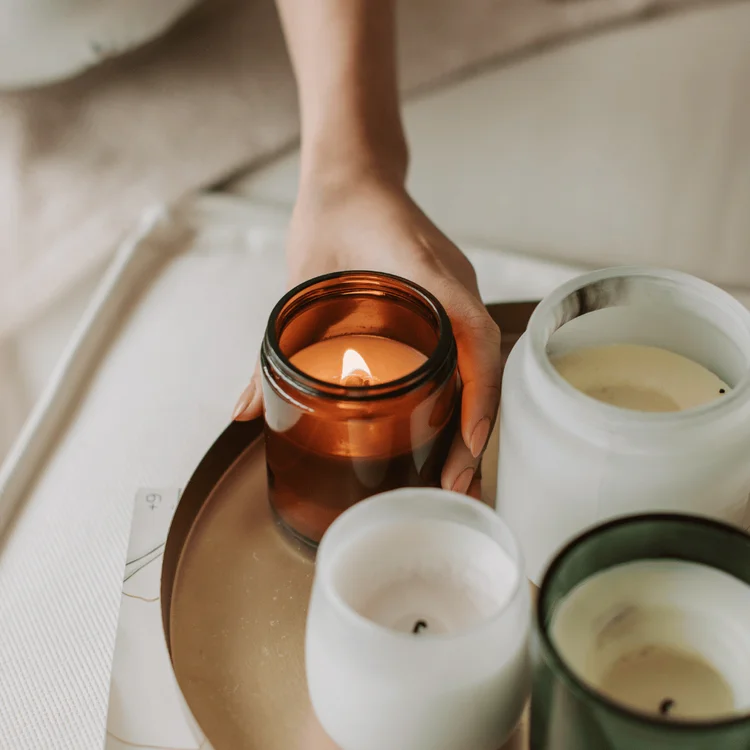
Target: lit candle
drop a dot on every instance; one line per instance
(360, 394)
(644, 378)
(418, 623)
(667, 637)
(358, 360)
(642, 638)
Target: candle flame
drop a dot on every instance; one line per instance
(354, 369)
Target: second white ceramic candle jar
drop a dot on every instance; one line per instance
(568, 461)
(418, 625)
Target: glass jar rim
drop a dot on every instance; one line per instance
(578, 686)
(443, 357)
(538, 339)
(463, 502)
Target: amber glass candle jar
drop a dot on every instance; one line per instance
(361, 395)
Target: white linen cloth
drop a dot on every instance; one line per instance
(170, 355)
(569, 156)
(81, 159)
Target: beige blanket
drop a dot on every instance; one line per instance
(80, 160)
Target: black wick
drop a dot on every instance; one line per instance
(665, 706)
(419, 625)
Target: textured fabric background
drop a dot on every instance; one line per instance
(80, 160)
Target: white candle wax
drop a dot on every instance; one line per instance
(435, 577)
(644, 378)
(663, 637)
(418, 626)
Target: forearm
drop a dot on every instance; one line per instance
(344, 58)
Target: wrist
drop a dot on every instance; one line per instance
(338, 159)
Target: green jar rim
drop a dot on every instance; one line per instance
(580, 688)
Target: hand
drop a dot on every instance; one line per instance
(371, 223)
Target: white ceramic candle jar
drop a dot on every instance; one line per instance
(418, 625)
(571, 456)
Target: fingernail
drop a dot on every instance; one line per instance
(244, 402)
(479, 437)
(463, 481)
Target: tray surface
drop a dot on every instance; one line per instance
(235, 593)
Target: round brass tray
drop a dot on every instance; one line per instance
(235, 593)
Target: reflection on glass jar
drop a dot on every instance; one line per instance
(360, 390)
(628, 393)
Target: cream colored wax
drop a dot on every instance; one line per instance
(663, 637)
(668, 681)
(642, 378)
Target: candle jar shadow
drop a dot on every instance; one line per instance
(331, 443)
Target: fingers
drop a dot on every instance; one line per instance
(480, 366)
(250, 404)
(475, 488)
(462, 472)
(460, 467)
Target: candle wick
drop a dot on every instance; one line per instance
(358, 378)
(665, 706)
(419, 625)
(722, 390)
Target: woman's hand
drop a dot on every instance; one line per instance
(369, 222)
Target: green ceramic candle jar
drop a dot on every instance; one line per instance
(642, 639)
